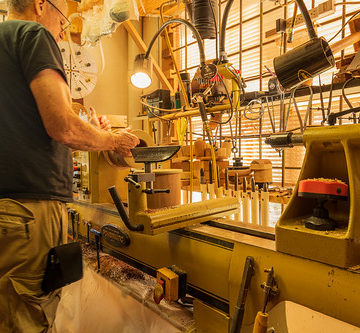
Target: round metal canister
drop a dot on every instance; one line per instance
(303, 62)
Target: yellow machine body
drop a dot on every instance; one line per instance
(311, 267)
(331, 152)
(171, 218)
(214, 260)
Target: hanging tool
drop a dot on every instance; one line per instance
(287, 115)
(219, 188)
(238, 196)
(345, 97)
(330, 95)
(97, 242)
(227, 187)
(270, 116)
(265, 205)
(282, 111)
(203, 188)
(322, 102)
(309, 106)
(245, 203)
(211, 185)
(270, 290)
(239, 310)
(254, 203)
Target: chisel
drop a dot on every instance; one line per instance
(245, 203)
(211, 186)
(254, 203)
(265, 205)
(203, 188)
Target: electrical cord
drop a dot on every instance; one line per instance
(156, 116)
(343, 92)
(165, 110)
(240, 100)
(343, 27)
(231, 105)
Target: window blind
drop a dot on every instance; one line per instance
(252, 59)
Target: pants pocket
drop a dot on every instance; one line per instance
(16, 225)
(33, 311)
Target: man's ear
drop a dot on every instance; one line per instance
(39, 7)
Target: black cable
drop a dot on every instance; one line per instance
(343, 27)
(231, 105)
(156, 116)
(223, 27)
(216, 31)
(343, 92)
(305, 13)
(190, 26)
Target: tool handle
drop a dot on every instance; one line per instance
(154, 191)
(132, 181)
(260, 324)
(122, 212)
(237, 319)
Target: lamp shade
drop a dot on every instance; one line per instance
(141, 77)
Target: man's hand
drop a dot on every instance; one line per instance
(125, 141)
(100, 122)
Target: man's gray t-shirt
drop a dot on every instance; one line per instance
(32, 165)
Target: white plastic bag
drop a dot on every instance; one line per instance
(123, 10)
(104, 20)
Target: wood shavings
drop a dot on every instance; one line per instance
(328, 180)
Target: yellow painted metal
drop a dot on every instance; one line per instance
(331, 152)
(210, 320)
(207, 262)
(172, 218)
(324, 288)
(216, 269)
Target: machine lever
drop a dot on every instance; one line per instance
(132, 181)
(332, 117)
(122, 212)
(154, 191)
(239, 310)
(284, 140)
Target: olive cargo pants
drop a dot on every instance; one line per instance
(28, 229)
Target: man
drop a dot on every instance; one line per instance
(38, 129)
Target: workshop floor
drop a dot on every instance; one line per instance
(96, 305)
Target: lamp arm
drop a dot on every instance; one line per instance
(191, 27)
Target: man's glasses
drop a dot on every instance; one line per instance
(68, 23)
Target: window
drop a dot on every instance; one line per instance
(251, 46)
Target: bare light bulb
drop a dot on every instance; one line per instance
(141, 80)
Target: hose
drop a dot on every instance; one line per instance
(305, 13)
(223, 29)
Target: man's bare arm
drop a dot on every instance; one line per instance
(53, 99)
